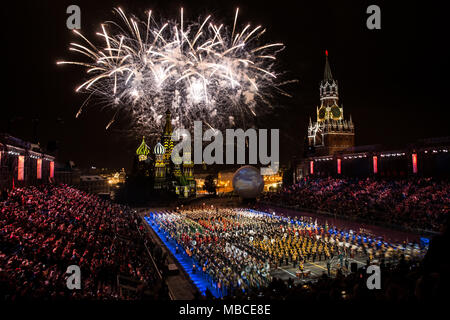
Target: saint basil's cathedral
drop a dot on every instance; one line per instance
(166, 174)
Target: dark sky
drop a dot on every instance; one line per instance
(393, 81)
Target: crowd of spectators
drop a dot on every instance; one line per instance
(45, 229)
(413, 203)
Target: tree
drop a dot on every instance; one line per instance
(209, 185)
(288, 177)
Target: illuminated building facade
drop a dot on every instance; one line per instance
(23, 163)
(225, 182)
(167, 175)
(330, 132)
(425, 158)
(116, 178)
(273, 182)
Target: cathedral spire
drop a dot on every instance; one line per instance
(168, 126)
(327, 73)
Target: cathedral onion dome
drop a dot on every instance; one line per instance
(143, 150)
(159, 149)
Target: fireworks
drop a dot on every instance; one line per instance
(198, 70)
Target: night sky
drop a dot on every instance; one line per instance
(393, 81)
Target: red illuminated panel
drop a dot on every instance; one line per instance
(414, 162)
(52, 169)
(39, 168)
(339, 166)
(20, 168)
(311, 167)
(375, 164)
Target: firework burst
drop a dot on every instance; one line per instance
(222, 76)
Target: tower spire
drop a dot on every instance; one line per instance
(328, 86)
(168, 126)
(327, 73)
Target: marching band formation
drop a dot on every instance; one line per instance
(239, 248)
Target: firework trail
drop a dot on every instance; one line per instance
(198, 70)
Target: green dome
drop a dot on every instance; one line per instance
(143, 149)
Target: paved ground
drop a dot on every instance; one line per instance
(314, 269)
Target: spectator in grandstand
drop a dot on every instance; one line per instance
(414, 203)
(45, 229)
